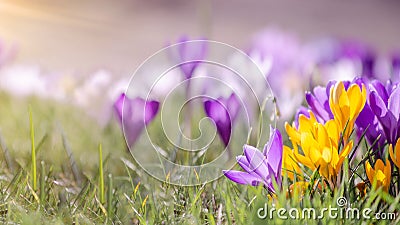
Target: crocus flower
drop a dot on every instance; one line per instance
(260, 167)
(368, 123)
(394, 152)
(319, 143)
(346, 105)
(190, 54)
(379, 175)
(223, 111)
(290, 165)
(134, 115)
(384, 103)
(342, 101)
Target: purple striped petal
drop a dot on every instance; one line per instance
(242, 177)
(385, 117)
(257, 161)
(379, 88)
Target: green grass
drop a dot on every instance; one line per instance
(59, 167)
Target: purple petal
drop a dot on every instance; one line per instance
(242, 161)
(377, 104)
(273, 151)
(233, 106)
(257, 161)
(134, 115)
(191, 53)
(242, 177)
(379, 88)
(317, 105)
(219, 114)
(385, 117)
(118, 105)
(151, 109)
(394, 102)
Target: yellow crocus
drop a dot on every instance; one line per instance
(346, 105)
(380, 174)
(395, 156)
(319, 144)
(290, 165)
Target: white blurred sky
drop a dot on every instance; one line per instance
(119, 35)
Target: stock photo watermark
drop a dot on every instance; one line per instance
(339, 211)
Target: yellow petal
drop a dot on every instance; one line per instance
(292, 133)
(370, 172)
(379, 165)
(394, 159)
(397, 149)
(355, 98)
(333, 131)
(323, 137)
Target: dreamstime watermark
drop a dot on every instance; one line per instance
(341, 211)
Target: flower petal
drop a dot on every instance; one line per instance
(257, 161)
(242, 177)
(273, 151)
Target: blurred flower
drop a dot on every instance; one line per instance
(23, 81)
(279, 56)
(134, 115)
(384, 103)
(190, 54)
(346, 105)
(319, 143)
(379, 175)
(223, 112)
(395, 66)
(341, 59)
(260, 167)
(395, 155)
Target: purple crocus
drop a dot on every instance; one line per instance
(384, 102)
(190, 55)
(318, 102)
(395, 66)
(223, 111)
(260, 167)
(134, 115)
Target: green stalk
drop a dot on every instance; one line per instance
(110, 195)
(33, 151)
(42, 182)
(101, 175)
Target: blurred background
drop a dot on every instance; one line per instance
(82, 36)
(83, 53)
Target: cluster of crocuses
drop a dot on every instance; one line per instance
(323, 134)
